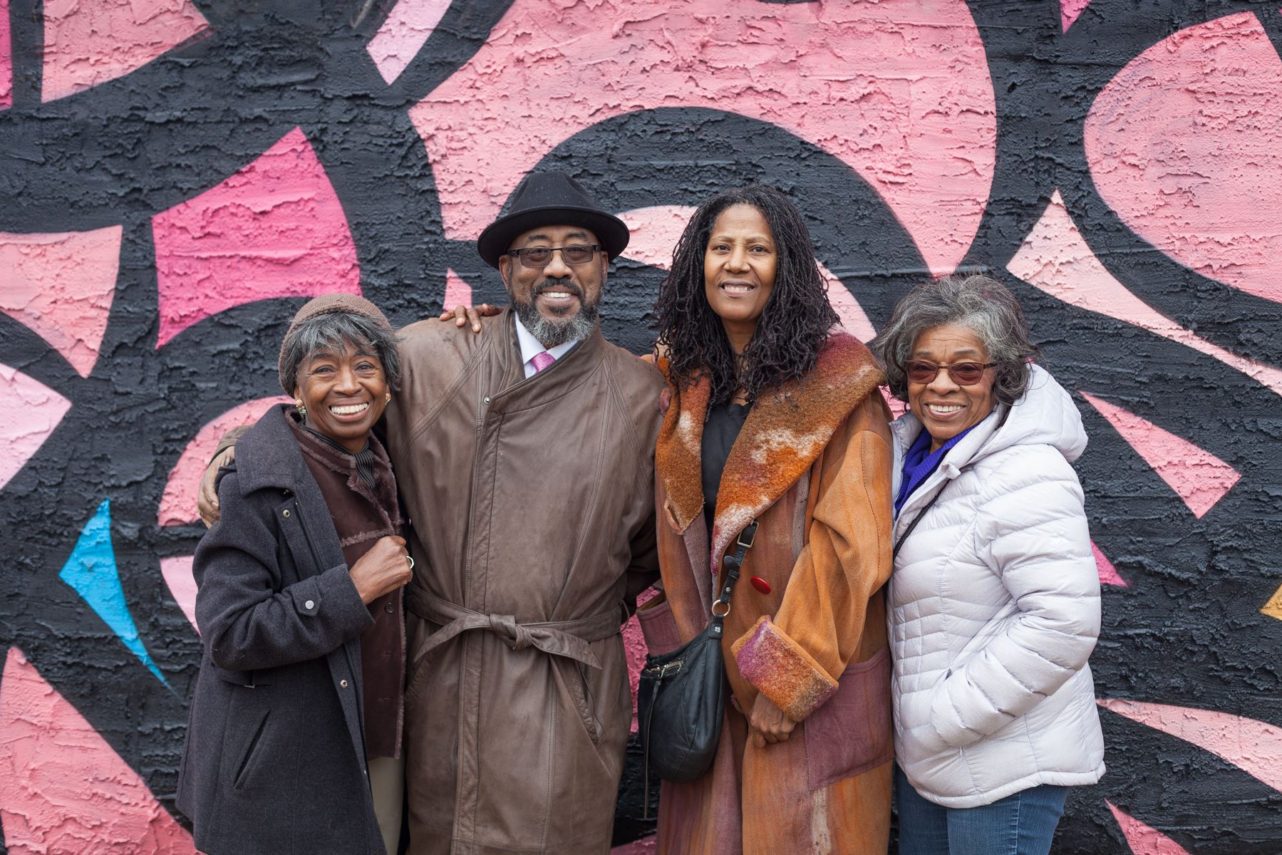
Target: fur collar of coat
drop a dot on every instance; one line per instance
(785, 431)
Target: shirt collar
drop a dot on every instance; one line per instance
(530, 346)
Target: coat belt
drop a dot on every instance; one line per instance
(569, 638)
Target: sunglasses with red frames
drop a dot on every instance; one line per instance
(961, 373)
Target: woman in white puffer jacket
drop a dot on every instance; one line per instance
(994, 601)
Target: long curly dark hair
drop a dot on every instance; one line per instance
(793, 326)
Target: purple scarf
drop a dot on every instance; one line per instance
(920, 462)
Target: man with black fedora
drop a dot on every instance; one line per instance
(525, 456)
(525, 461)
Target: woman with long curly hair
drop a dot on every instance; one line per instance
(774, 416)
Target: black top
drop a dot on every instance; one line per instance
(719, 433)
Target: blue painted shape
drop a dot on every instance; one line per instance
(91, 572)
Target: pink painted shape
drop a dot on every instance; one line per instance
(87, 42)
(273, 229)
(178, 502)
(403, 35)
(1070, 10)
(852, 315)
(6, 58)
(182, 584)
(1183, 145)
(1143, 839)
(457, 291)
(1108, 574)
(655, 232)
(1253, 746)
(62, 788)
(1056, 259)
(61, 286)
(644, 846)
(897, 407)
(899, 90)
(29, 412)
(1198, 477)
(634, 649)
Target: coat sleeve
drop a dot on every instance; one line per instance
(796, 659)
(248, 620)
(643, 545)
(1033, 533)
(643, 566)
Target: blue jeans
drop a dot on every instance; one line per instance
(1021, 824)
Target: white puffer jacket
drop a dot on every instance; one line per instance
(995, 608)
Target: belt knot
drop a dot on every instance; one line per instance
(516, 635)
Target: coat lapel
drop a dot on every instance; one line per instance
(783, 435)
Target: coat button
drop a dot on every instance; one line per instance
(389, 608)
(760, 584)
(309, 604)
(343, 683)
(285, 513)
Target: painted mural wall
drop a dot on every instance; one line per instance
(177, 176)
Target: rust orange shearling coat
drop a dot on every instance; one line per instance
(813, 465)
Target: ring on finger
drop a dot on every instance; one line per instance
(410, 559)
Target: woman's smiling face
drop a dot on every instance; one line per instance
(345, 392)
(944, 407)
(739, 265)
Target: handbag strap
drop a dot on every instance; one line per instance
(912, 525)
(734, 563)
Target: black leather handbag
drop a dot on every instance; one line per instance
(681, 697)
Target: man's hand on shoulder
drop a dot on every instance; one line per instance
(207, 497)
(470, 315)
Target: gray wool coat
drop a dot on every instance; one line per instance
(275, 755)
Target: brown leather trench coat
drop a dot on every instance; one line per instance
(533, 523)
(812, 465)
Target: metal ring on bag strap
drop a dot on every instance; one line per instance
(734, 562)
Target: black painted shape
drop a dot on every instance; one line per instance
(1108, 36)
(26, 36)
(462, 31)
(1187, 629)
(682, 156)
(1157, 779)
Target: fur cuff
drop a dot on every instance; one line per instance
(782, 671)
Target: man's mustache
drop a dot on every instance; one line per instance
(560, 285)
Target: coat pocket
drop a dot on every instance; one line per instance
(851, 733)
(251, 752)
(658, 626)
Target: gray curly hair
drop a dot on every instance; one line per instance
(977, 302)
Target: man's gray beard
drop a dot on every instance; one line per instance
(550, 332)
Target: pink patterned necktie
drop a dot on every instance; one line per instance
(541, 360)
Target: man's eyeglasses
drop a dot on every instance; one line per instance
(538, 257)
(962, 373)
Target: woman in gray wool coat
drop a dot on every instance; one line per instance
(297, 709)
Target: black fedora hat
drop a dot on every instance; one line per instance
(550, 199)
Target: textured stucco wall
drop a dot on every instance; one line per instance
(176, 176)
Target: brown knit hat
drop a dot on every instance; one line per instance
(328, 304)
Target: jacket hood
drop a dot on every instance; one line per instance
(1044, 415)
